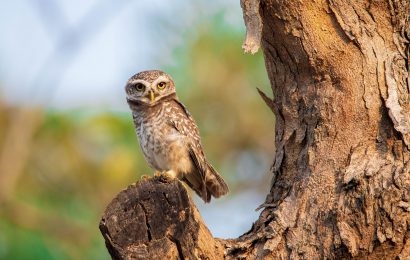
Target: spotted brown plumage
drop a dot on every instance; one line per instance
(168, 135)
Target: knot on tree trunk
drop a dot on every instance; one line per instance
(156, 219)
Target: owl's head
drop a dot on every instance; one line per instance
(149, 87)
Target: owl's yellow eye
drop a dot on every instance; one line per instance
(161, 85)
(140, 87)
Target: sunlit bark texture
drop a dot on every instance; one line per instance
(339, 72)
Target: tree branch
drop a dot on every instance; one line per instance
(156, 219)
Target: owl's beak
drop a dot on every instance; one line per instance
(151, 95)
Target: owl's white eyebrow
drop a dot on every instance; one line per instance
(135, 81)
(160, 79)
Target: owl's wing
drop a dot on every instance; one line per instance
(185, 124)
(205, 180)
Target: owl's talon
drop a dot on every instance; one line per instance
(145, 177)
(170, 174)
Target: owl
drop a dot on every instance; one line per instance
(168, 135)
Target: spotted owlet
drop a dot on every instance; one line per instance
(168, 135)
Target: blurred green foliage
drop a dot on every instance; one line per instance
(79, 160)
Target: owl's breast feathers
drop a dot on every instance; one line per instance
(163, 147)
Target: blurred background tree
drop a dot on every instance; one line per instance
(67, 143)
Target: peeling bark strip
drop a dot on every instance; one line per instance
(398, 91)
(155, 219)
(253, 23)
(339, 71)
(397, 68)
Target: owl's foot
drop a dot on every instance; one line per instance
(170, 174)
(145, 177)
(157, 174)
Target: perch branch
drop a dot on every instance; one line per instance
(156, 219)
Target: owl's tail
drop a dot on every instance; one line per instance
(214, 183)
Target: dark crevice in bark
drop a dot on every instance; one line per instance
(166, 198)
(178, 245)
(146, 221)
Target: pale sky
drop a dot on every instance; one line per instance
(43, 61)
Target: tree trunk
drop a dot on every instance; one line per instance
(339, 72)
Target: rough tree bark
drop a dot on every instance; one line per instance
(339, 71)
